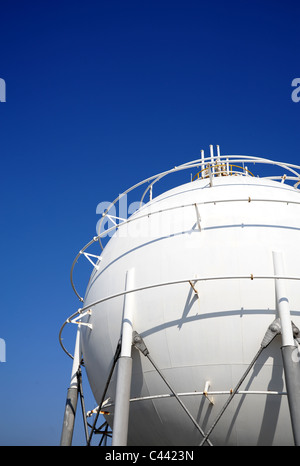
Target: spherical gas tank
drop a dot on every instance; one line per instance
(201, 261)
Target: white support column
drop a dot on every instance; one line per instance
(122, 399)
(127, 325)
(291, 364)
(72, 397)
(282, 301)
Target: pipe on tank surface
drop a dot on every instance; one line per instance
(124, 371)
(289, 350)
(72, 397)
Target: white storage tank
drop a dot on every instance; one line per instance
(196, 266)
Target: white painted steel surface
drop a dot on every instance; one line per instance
(206, 332)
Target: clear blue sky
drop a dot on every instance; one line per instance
(100, 95)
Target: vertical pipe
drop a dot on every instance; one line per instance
(121, 414)
(72, 397)
(210, 176)
(212, 158)
(219, 167)
(289, 350)
(202, 164)
(227, 165)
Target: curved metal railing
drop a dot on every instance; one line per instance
(191, 281)
(211, 167)
(206, 164)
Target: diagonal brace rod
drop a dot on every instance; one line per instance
(140, 345)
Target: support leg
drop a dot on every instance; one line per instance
(121, 414)
(291, 363)
(72, 397)
(292, 379)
